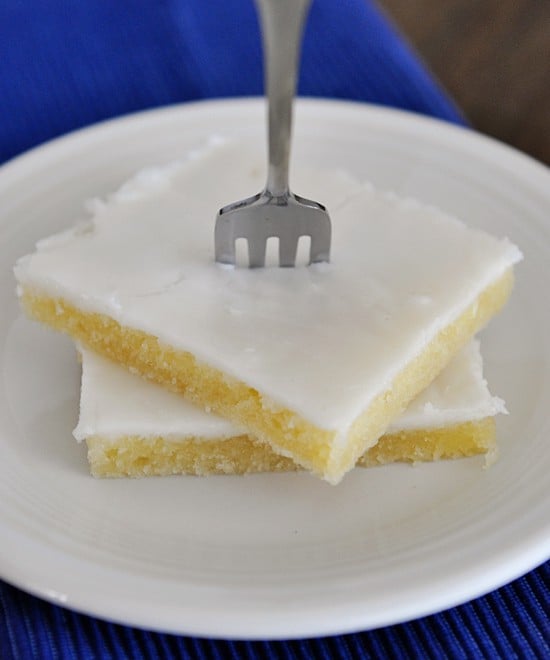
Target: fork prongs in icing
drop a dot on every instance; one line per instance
(263, 216)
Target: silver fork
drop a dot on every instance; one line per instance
(276, 212)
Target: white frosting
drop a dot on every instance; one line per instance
(115, 403)
(321, 340)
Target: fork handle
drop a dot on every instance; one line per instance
(282, 24)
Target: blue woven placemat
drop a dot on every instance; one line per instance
(512, 622)
(66, 64)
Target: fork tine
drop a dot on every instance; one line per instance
(256, 252)
(224, 243)
(287, 250)
(320, 247)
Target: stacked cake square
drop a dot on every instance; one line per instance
(194, 367)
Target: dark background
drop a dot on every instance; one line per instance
(493, 56)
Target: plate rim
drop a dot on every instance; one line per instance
(471, 136)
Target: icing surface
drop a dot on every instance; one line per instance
(322, 340)
(116, 403)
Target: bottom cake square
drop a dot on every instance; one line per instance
(135, 428)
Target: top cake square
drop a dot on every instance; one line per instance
(316, 360)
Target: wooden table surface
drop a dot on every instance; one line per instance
(493, 57)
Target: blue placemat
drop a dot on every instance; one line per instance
(66, 64)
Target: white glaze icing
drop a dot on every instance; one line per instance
(321, 340)
(115, 403)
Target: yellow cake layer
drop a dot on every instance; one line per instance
(133, 456)
(286, 432)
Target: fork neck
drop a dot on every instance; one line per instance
(282, 24)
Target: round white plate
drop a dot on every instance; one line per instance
(274, 556)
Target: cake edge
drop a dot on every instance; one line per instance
(426, 366)
(136, 457)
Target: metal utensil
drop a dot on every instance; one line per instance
(276, 212)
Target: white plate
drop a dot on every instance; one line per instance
(274, 555)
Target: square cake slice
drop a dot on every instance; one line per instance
(316, 361)
(135, 428)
